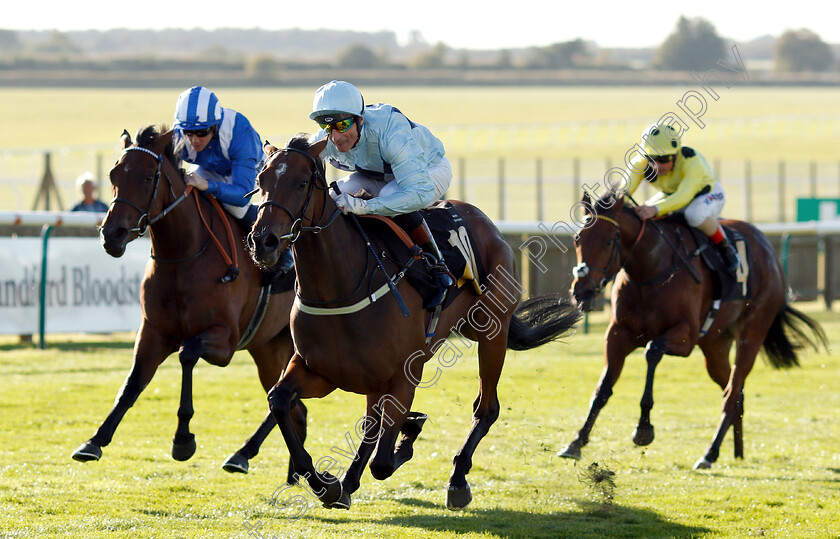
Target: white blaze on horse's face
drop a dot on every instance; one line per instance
(279, 172)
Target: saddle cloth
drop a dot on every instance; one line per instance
(454, 240)
(728, 287)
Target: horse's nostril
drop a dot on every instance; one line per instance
(271, 242)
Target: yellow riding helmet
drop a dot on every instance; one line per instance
(660, 140)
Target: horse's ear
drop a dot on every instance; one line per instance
(268, 148)
(585, 200)
(317, 149)
(166, 138)
(125, 139)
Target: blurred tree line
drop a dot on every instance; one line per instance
(693, 45)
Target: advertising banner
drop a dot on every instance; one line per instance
(87, 290)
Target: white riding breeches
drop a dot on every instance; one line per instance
(441, 175)
(705, 206)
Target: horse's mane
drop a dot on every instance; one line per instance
(299, 142)
(605, 203)
(146, 135)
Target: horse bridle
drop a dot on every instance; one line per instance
(297, 228)
(144, 222)
(582, 270)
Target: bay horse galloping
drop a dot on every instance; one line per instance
(344, 340)
(191, 300)
(664, 298)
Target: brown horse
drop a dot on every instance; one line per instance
(376, 350)
(661, 297)
(185, 303)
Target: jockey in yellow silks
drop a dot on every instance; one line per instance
(686, 184)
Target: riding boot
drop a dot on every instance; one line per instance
(433, 259)
(730, 256)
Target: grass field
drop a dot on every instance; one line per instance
(787, 486)
(479, 125)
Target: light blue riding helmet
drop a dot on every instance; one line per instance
(197, 108)
(337, 97)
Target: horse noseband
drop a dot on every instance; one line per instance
(580, 271)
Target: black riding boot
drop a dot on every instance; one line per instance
(419, 232)
(730, 256)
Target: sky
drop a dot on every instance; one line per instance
(458, 24)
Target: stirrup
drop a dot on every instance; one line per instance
(442, 275)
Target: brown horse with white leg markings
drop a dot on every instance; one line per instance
(661, 298)
(371, 348)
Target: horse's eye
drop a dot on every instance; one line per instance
(302, 185)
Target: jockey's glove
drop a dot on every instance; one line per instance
(351, 204)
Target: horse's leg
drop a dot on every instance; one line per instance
(149, 353)
(183, 443)
(393, 407)
(215, 346)
(298, 382)
(491, 359)
(732, 382)
(270, 358)
(738, 429)
(239, 461)
(370, 434)
(618, 345)
(644, 433)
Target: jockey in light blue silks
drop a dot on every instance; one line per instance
(225, 151)
(401, 164)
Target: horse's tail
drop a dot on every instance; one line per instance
(787, 336)
(541, 319)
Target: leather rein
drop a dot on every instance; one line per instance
(144, 221)
(582, 270)
(297, 228)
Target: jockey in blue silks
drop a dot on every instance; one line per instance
(225, 151)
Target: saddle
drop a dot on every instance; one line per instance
(453, 238)
(727, 287)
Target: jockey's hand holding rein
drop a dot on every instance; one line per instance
(646, 212)
(196, 181)
(350, 204)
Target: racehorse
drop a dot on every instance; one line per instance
(661, 296)
(344, 340)
(192, 301)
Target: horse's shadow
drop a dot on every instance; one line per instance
(595, 520)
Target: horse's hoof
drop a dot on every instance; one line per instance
(702, 464)
(333, 491)
(184, 451)
(571, 452)
(236, 463)
(342, 503)
(458, 498)
(87, 451)
(643, 435)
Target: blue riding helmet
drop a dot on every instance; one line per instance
(337, 98)
(197, 108)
